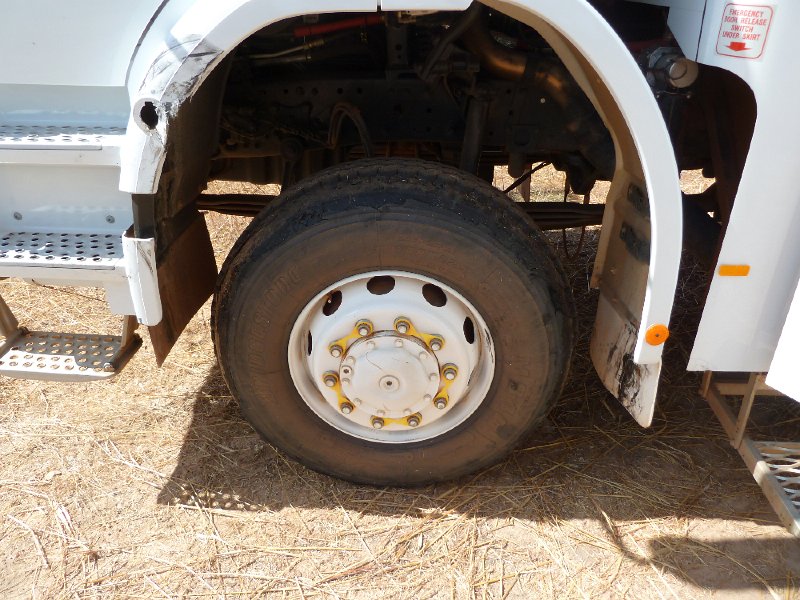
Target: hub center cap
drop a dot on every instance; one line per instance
(390, 383)
(390, 375)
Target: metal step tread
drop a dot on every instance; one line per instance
(52, 137)
(65, 356)
(783, 460)
(59, 250)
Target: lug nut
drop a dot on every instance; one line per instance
(364, 328)
(450, 373)
(330, 380)
(377, 423)
(413, 421)
(346, 408)
(440, 403)
(436, 344)
(336, 351)
(402, 327)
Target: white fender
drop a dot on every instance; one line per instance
(172, 67)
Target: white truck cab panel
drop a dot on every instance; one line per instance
(744, 315)
(85, 43)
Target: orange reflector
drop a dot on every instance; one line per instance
(656, 335)
(734, 270)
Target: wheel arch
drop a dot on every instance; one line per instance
(188, 39)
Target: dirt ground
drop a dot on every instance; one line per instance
(151, 485)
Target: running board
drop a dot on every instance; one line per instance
(60, 145)
(64, 357)
(123, 265)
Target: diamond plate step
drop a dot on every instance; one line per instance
(58, 255)
(66, 356)
(67, 144)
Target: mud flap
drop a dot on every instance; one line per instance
(187, 273)
(621, 272)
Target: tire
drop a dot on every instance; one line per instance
(418, 222)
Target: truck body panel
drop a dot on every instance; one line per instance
(744, 315)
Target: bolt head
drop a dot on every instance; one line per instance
(402, 328)
(363, 330)
(346, 370)
(412, 421)
(449, 374)
(440, 403)
(436, 345)
(377, 423)
(336, 351)
(330, 381)
(346, 408)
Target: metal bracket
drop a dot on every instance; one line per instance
(9, 327)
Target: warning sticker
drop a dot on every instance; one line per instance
(744, 30)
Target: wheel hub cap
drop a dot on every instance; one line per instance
(390, 375)
(391, 357)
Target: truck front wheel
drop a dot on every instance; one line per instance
(393, 322)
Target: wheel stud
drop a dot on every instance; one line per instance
(450, 372)
(377, 423)
(413, 421)
(436, 344)
(440, 403)
(346, 408)
(330, 379)
(336, 351)
(364, 328)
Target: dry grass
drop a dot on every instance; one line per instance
(152, 486)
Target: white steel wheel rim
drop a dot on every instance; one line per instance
(392, 357)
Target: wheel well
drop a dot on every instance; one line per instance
(603, 120)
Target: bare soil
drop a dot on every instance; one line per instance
(151, 485)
